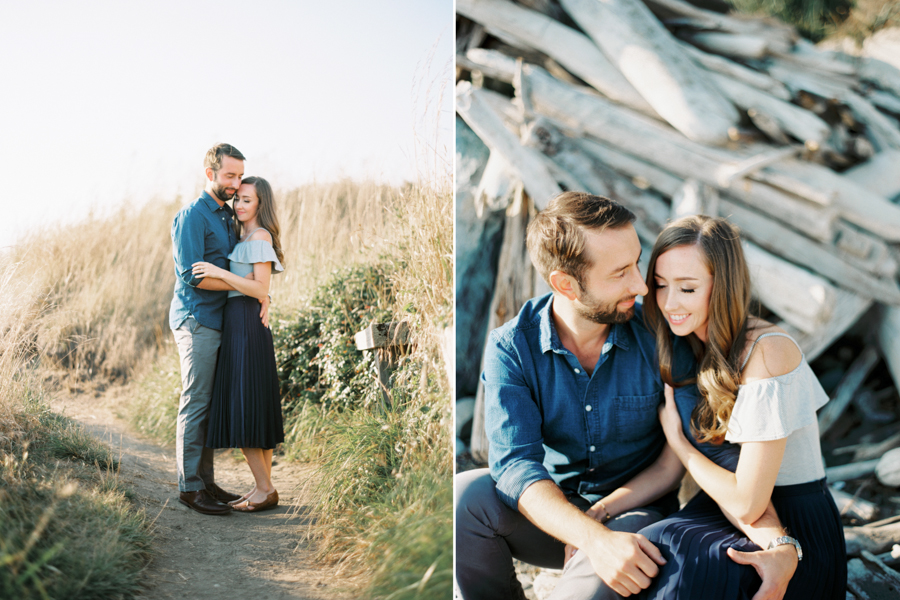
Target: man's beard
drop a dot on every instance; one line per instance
(604, 314)
(219, 191)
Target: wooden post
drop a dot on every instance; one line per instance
(387, 340)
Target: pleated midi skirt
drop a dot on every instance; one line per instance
(694, 541)
(245, 410)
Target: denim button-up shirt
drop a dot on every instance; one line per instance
(201, 231)
(546, 418)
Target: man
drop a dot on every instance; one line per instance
(202, 231)
(571, 393)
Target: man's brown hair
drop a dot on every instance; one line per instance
(214, 156)
(556, 235)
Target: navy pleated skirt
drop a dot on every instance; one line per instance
(694, 541)
(245, 410)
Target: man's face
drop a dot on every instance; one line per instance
(227, 180)
(613, 281)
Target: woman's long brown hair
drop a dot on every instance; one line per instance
(719, 373)
(266, 217)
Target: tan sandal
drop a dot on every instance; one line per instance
(242, 498)
(270, 502)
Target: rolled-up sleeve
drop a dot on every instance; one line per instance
(188, 233)
(512, 423)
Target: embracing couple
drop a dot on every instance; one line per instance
(595, 408)
(224, 259)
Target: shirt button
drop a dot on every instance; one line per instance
(578, 370)
(593, 448)
(588, 408)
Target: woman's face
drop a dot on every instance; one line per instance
(246, 203)
(683, 288)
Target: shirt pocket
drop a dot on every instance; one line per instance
(636, 417)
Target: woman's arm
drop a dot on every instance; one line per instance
(743, 494)
(258, 287)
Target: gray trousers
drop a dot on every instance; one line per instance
(198, 348)
(489, 535)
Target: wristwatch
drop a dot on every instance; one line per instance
(784, 539)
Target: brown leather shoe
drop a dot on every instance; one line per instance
(270, 502)
(220, 494)
(203, 503)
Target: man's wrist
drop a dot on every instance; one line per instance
(784, 541)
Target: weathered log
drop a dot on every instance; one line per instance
(571, 49)
(497, 185)
(848, 309)
(875, 539)
(854, 507)
(853, 379)
(695, 198)
(869, 583)
(886, 324)
(887, 572)
(870, 451)
(642, 173)
(780, 36)
(856, 204)
(851, 471)
(880, 174)
(738, 72)
(595, 177)
(801, 298)
(885, 101)
(866, 251)
(888, 468)
(747, 47)
(882, 74)
(800, 123)
(658, 68)
(488, 125)
(820, 258)
(653, 142)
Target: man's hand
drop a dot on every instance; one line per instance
(775, 567)
(626, 562)
(264, 311)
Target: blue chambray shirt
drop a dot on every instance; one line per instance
(547, 419)
(201, 231)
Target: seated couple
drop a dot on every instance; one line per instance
(595, 408)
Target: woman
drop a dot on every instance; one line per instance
(756, 392)
(245, 410)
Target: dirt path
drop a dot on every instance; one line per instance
(202, 557)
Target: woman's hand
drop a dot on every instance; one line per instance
(670, 419)
(205, 269)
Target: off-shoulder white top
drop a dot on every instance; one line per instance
(246, 254)
(783, 407)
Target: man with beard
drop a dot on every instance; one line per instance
(202, 231)
(578, 459)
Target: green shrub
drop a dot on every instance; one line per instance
(812, 18)
(315, 351)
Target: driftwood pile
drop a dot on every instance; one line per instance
(672, 109)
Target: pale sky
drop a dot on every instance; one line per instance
(111, 102)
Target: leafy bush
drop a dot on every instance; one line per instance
(316, 354)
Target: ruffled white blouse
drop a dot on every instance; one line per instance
(783, 407)
(246, 254)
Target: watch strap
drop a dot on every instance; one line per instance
(784, 539)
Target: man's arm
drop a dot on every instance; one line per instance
(513, 422)
(626, 562)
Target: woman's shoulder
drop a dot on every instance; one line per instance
(260, 235)
(769, 355)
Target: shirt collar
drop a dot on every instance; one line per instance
(212, 204)
(618, 333)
